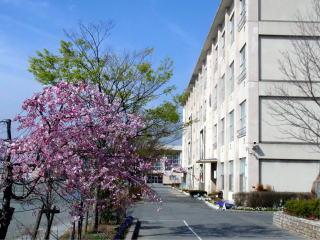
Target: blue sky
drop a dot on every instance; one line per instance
(175, 28)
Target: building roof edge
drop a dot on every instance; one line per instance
(220, 14)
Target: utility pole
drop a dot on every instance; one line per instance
(7, 211)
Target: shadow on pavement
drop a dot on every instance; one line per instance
(219, 231)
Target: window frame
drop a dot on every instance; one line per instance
(243, 171)
(231, 126)
(222, 176)
(243, 58)
(242, 119)
(232, 29)
(231, 175)
(231, 77)
(215, 136)
(222, 131)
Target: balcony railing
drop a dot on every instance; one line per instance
(242, 75)
(242, 132)
(242, 21)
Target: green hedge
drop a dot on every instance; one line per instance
(267, 199)
(304, 208)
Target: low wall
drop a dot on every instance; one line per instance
(307, 228)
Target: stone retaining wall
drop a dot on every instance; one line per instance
(307, 228)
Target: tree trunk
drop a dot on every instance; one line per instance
(87, 222)
(49, 224)
(96, 212)
(50, 216)
(73, 232)
(80, 228)
(36, 228)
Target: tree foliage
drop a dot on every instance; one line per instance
(75, 126)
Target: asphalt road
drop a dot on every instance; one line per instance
(24, 219)
(182, 217)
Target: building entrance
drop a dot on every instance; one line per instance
(155, 179)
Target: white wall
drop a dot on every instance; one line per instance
(274, 128)
(272, 53)
(287, 176)
(285, 10)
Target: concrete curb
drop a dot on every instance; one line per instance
(211, 205)
(134, 229)
(180, 191)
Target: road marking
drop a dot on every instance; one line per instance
(185, 223)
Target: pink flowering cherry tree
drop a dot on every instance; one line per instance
(75, 145)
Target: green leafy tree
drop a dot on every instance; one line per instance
(129, 77)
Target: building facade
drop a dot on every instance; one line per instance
(167, 170)
(231, 143)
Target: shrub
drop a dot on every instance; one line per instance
(263, 188)
(304, 208)
(267, 199)
(197, 192)
(259, 188)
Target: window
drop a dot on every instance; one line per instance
(223, 43)
(213, 172)
(173, 178)
(231, 77)
(175, 159)
(242, 7)
(215, 133)
(231, 126)
(216, 59)
(202, 144)
(204, 76)
(201, 175)
(157, 166)
(243, 61)
(222, 89)
(243, 17)
(243, 174)
(215, 97)
(243, 118)
(222, 176)
(190, 127)
(232, 29)
(222, 131)
(189, 153)
(230, 175)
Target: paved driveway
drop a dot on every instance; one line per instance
(182, 217)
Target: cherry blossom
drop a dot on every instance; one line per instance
(78, 142)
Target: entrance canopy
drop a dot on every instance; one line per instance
(209, 160)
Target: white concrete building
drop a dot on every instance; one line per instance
(232, 143)
(167, 170)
